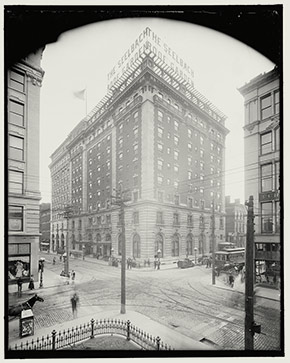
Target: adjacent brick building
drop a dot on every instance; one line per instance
(262, 166)
(23, 94)
(156, 136)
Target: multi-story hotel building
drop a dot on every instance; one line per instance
(236, 222)
(23, 94)
(156, 136)
(262, 167)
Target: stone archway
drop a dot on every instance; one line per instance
(189, 244)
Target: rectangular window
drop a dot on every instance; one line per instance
(136, 217)
(160, 179)
(16, 113)
(16, 147)
(267, 217)
(176, 199)
(176, 155)
(189, 160)
(159, 218)
(176, 140)
(189, 145)
(160, 116)
(175, 219)
(266, 178)
(135, 181)
(266, 143)
(15, 216)
(15, 179)
(277, 138)
(277, 217)
(190, 202)
(176, 125)
(277, 102)
(189, 133)
(17, 81)
(189, 175)
(160, 132)
(160, 147)
(160, 196)
(277, 175)
(266, 106)
(160, 164)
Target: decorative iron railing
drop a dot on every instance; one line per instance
(70, 337)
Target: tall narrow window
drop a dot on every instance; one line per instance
(16, 113)
(266, 106)
(266, 143)
(16, 147)
(277, 102)
(17, 81)
(15, 181)
(267, 217)
(266, 177)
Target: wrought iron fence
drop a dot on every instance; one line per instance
(70, 337)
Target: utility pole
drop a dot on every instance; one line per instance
(213, 242)
(119, 200)
(250, 326)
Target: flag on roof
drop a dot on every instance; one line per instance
(80, 94)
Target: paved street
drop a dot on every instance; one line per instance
(183, 300)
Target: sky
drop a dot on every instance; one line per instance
(82, 58)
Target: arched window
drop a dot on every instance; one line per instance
(108, 237)
(90, 237)
(80, 237)
(136, 246)
(189, 244)
(175, 245)
(159, 245)
(200, 244)
(120, 245)
(57, 242)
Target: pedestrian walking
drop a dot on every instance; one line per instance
(31, 283)
(60, 257)
(73, 276)
(231, 280)
(74, 304)
(158, 264)
(54, 261)
(19, 286)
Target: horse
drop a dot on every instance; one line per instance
(16, 310)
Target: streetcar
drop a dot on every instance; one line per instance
(230, 258)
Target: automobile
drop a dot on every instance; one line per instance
(186, 263)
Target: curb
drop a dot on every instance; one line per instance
(242, 293)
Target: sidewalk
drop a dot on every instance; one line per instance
(168, 336)
(260, 291)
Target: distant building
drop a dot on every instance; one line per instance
(262, 167)
(23, 94)
(44, 227)
(158, 137)
(236, 222)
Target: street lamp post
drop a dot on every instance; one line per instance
(41, 267)
(195, 249)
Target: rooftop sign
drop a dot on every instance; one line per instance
(148, 41)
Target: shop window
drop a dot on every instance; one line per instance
(18, 261)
